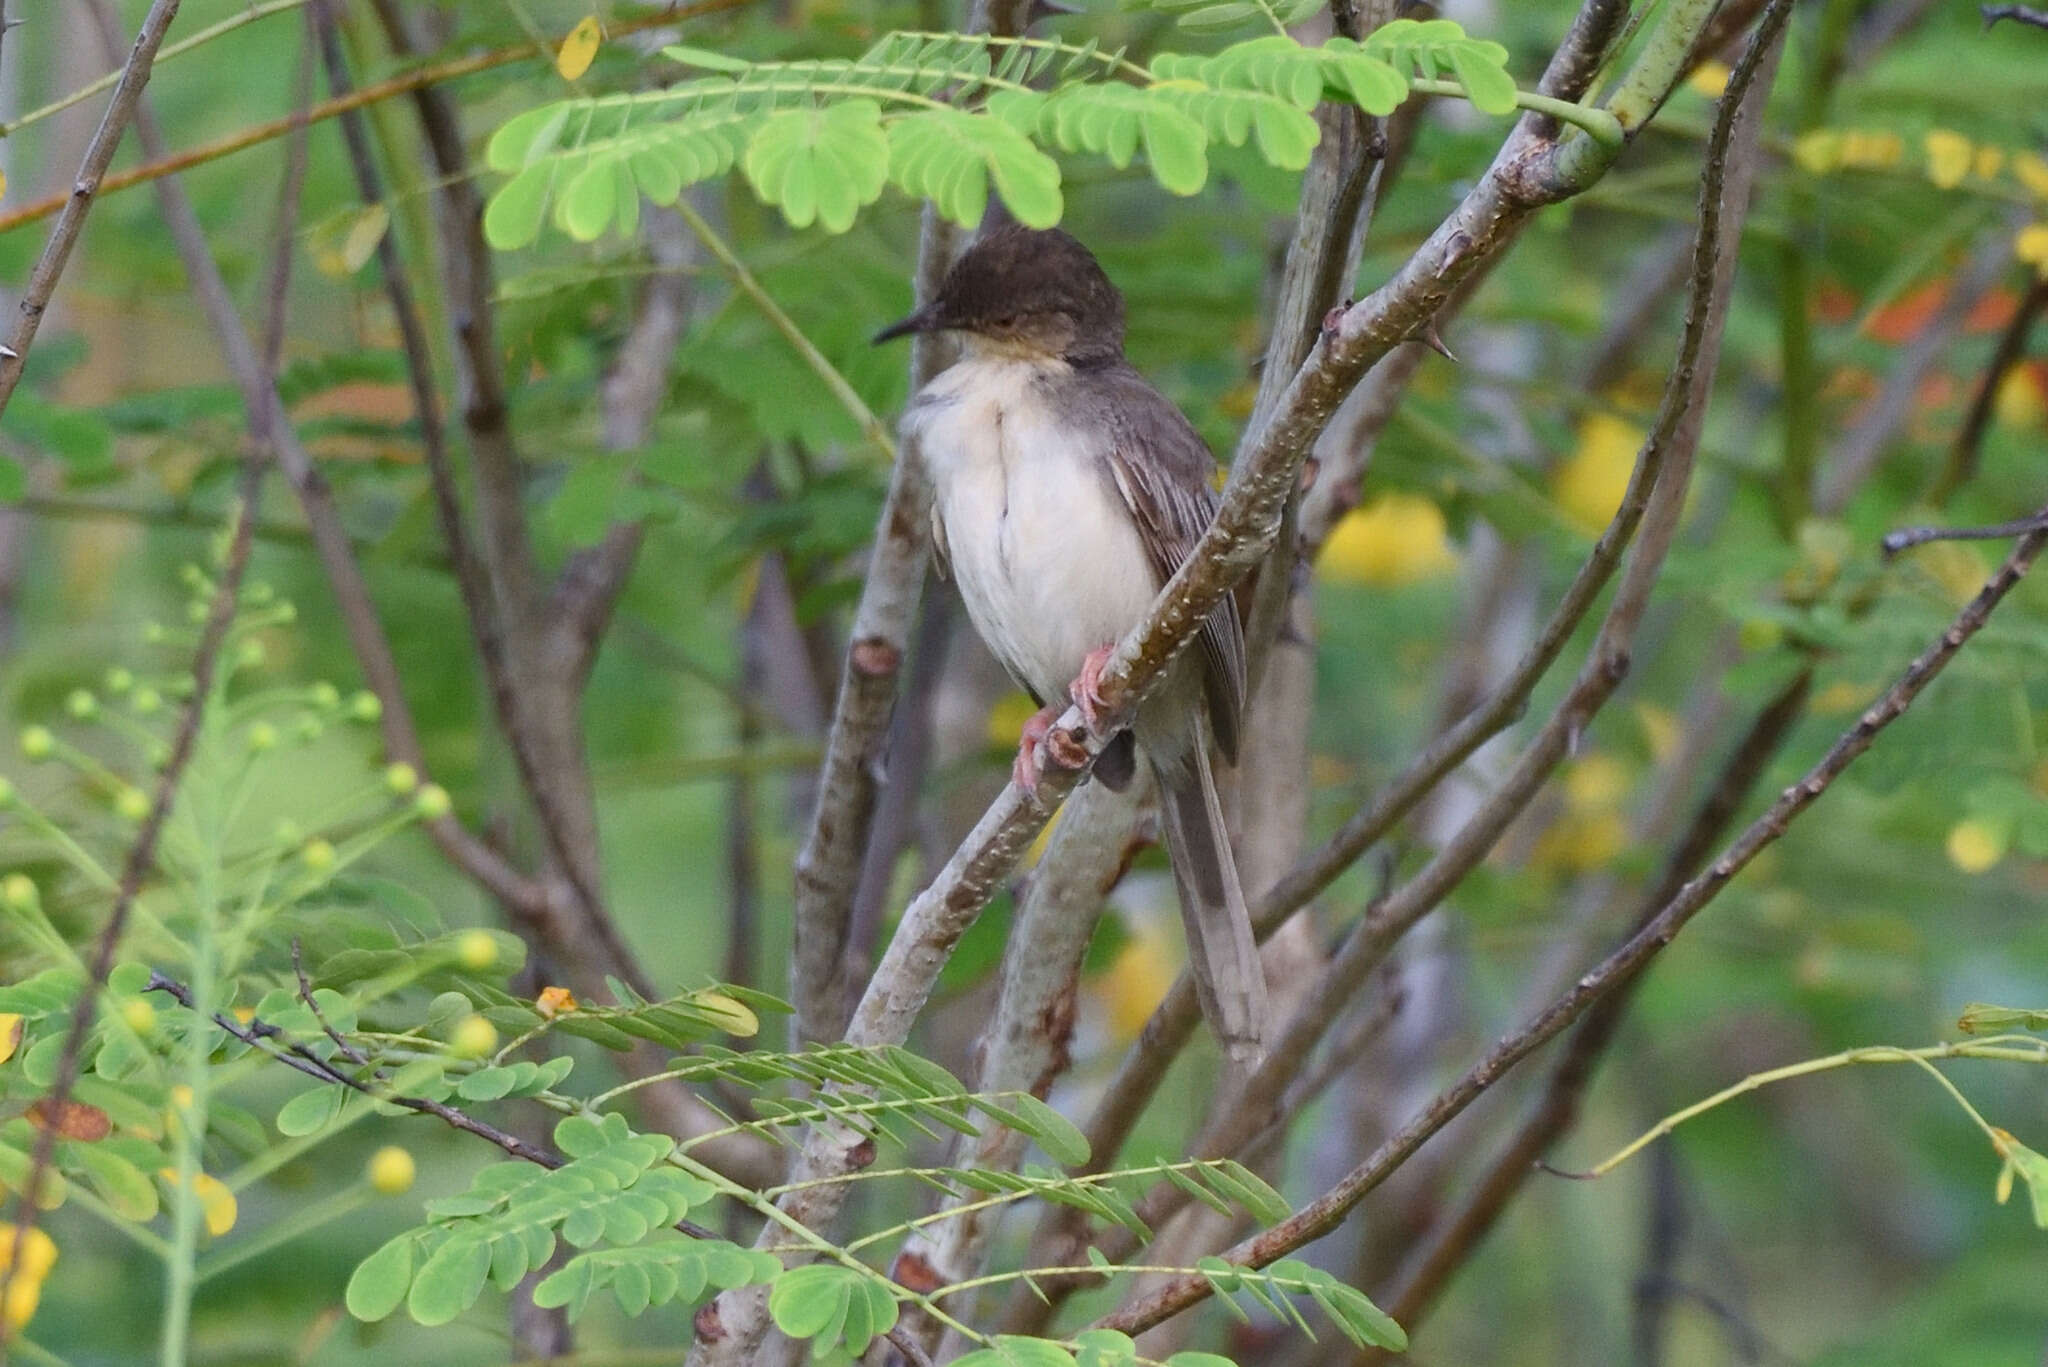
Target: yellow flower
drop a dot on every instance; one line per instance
(1874, 149)
(1135, 982)
(1589, 485)
(1581, 842)
(1975, 846)
(473, 1037)
(1987, 163)
(1818, 152)
(1006, 719)
(10, 1034)
(2031, 171)
(216, 1202)
(1710, 79)
(1841, 697)
(476, 950)
(555, 1001)
(2018, 402)
(38, 1256)
(1395, 539)
(1596, 783)
(1660, 730)
(2031, 246)
(1949, 156)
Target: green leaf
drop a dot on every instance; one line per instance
(1491, 89)
(1254, 1194)
(805, 1299)
(449, 1281)
(1191, 1358)
(1104, 1347)
(820, 165)
(118, 1182)
(13, 482)
(380, 1280)
(1982, 1018)
(704, 58)
(948, 156)
(1216, 18)
(1176, 147)
(1356, 1317)
(310, 1112)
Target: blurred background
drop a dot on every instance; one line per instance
(1896, 235)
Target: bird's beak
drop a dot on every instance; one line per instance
(924, 320)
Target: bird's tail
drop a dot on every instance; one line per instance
(1229, 979)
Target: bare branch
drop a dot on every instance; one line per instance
(49, 267)
(1459, 1233)
(2019, 14)
(1961, 465)
(1655, 498)
(1327, 1211)
(160, 164)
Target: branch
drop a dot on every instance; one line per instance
(2019, 14)
(1456, 1237)
(1327, 1211)
(49, 267)
(1655, 498)
(160, 164)
(1961, 465)
(828, 866)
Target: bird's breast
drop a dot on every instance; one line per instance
(1042, 548)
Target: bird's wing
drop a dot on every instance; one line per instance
(1162, 470)
(942, 555)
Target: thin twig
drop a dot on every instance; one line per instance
(1655, 498)
(1454, 1238)
(78, 202)
(1961, 465)
(162, 164)
(1329, 1210)
(2019, 14)
(141, 857)
(1908, 537)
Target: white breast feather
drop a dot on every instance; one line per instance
(1044, 554)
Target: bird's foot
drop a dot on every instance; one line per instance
(1086, 689)
(1060, 747)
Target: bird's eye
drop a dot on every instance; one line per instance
(1008, 320)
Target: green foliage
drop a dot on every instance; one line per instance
(820, 139)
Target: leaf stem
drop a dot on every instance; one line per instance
(1600, 125)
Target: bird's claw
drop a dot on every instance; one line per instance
(1060, 747)
(1086, 689)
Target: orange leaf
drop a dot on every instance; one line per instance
(554, 1001)
(71, 1119)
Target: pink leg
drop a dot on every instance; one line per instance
(1062, 748)
(1086, 690)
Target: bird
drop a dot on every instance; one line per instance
(1066, 490)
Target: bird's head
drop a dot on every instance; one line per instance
(1026, 291)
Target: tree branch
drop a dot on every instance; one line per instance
(49, 267)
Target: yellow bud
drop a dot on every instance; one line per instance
(139, 1015)
(325, 694)
(1987, 163)
(2031, 246)
(146, 700)
(261, 736)
(473, 1037)
(365, 707)
(250, 656)
(391, 1171)
(1710, 79)
(432, 803)
(18, 890)
(119, 680)
(1975, 846)
(318, 855)
(131, 804)
(401, 778)
(81, 704)
(2019, 402)
(37, 742)
(476, 950)
(1818, 152)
